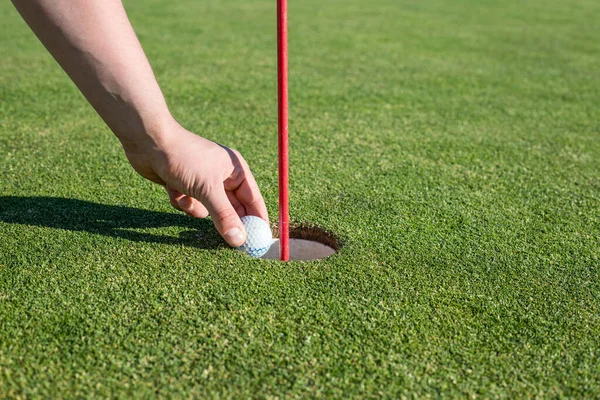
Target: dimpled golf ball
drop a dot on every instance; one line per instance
(258, 236)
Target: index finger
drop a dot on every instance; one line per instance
(242, 185)
(249, 196)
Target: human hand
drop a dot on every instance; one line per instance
(96, 46)
(202, 178)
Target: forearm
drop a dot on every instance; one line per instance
(95, 44)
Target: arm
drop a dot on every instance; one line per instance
(95, 44)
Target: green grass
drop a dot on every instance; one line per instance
(453, 146)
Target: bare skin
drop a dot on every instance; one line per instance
(95, 44)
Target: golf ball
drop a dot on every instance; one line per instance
(258, 236)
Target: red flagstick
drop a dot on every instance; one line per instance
(282, 86)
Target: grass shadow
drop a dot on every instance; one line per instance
(108, 220)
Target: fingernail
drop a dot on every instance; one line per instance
(185, 202)
(235, 237)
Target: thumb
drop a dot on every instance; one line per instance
(225, 218)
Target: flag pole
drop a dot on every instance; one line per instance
(282, 94)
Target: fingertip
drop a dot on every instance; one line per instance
(186, 203)
(226, 219)
(174, 196)
(235, 237)
(259, 209)
(192, 207)
(266, 218)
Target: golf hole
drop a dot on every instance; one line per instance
(306, 243)
(301, 249)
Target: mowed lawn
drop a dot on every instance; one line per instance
(453, 147)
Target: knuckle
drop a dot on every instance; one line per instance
(225, 215)
(238, 172)
(206, 190)
(239, 159)
(203, 213)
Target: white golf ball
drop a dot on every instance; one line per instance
(258, 236)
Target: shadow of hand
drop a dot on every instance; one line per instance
(115, 221)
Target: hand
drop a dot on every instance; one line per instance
(202, 178)
(96, 46)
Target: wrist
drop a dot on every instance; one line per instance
(147, 134)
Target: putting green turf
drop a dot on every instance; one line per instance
(454, 147)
